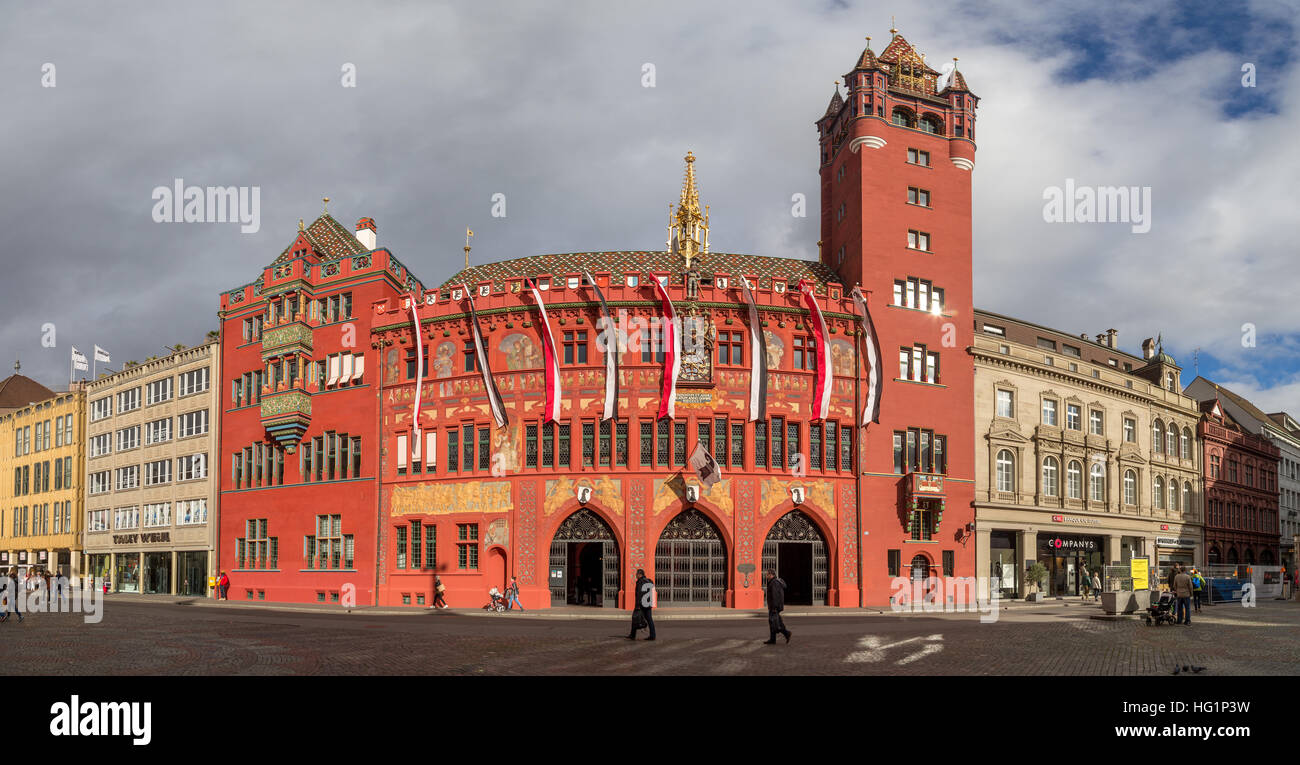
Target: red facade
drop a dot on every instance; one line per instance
(355, 493)
(1241, 497)
(299, 421)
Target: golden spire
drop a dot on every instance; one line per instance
(468, 234)
(326, 200)
(689, 237)
(893, 28)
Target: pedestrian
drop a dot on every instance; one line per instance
(1085, 583)
(1182, 590)
(9, 582)
(1096, 586)
(1198, 585)
(439, 589)
(643, 594)
(223, 584)
(512, 594)
(775, 605)
(1169, 580)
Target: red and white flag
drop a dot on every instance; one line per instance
(613, 346)
(822, 390)
(419, 363)
(758, 371)
(494, 396)
(875, 381)
(672, 352)
(552, 411)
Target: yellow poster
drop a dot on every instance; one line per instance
(1138, 570)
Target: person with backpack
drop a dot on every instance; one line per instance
(1198, 586)
(642, 604)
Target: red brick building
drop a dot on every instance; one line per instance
(299, 441)
(572, 507)
(1241, 499)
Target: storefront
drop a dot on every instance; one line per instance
(1171, 550)
(192, 573)
(157, 573)
(126, 574)
(1003, 566)
(97, 567)
(1069, 558)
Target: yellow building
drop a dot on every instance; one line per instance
(42, 461)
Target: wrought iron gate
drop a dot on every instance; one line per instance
(691, 562)
(794, 526)
(585, 526)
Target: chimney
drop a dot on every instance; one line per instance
(366, 233)
(1149, 348)
(1112, 338)
(1101, 339)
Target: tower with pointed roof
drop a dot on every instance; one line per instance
(896, 153)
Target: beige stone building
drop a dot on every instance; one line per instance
(1085, 456)
(151, 474)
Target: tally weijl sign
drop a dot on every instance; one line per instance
(209, 204)
(103, 718)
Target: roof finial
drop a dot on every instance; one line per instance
(18, 365)
(326, 200)
(468, 234)
(300, 224)
(690, 234)
(893, 28)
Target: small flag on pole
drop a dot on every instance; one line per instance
(705, 466)
(101, 355)
(79, 361)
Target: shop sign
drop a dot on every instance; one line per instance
(130, 539)
(1075, 519)
(1071, 543)
(22, 557)
(4, 558)
(925, 483)
(1164, 527)
(1175, 542)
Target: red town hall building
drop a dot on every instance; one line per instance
(332, 487)
(1241, 499)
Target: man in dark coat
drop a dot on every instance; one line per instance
(1182, 590)
(775, 605)
(642, 603)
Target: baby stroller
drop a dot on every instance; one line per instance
(497, 602)
(1162, 611)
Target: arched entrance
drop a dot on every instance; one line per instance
(691, 562)
(1213, 558)
(584, 562)
(1232, 556)
(1250, 556)
(920, 568)
(496, 568)
(796, 551)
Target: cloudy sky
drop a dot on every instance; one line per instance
(545, 102)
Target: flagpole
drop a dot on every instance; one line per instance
(858, 433)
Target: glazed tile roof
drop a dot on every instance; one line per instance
(957, 84)
(622, 263)
(836, 103)
(868, 60)
(899, 48)
(328, 238)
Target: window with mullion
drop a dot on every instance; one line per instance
(415, 544)
(588, 444)
(530, 445)
(484, 455)
(453, 450)
(620, 443)
(647, 445)
(815, 446)
(832, 453)
(430, 546)
(606, 435)
(793, 442)
(679, 444)
(737, 444)
(563, 459)
(703, 434)
(467, 447)
(760, 443)
(548, 445)
(720, 440)
(778, 442)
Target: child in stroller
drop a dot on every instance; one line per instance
(1162, 611)
(497, 602)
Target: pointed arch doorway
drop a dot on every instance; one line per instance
(584, 566)
(795, 549)
(691, 562)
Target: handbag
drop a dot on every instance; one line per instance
(638, 619)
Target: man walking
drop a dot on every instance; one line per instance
(643, 594)
(512, 595)
(775, 605)
(1198, 586)
(1183, 591)
(9, 582)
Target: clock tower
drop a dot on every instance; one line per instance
(897, 149)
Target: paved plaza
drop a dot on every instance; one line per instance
(171, 636)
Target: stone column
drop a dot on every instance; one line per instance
(982, 560)
(1028, 551)
(112, 571)
(173, 573)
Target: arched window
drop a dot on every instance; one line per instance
(920, 568)
(1173, 495)
(1074, 480)
(931, 124)
(1051, 477)
(1158, 494)
(903, 118)
(1171, 441)
(1130, 487)
(1187, 497)
(1006, 471)
(1158, 437)
(1186, 444)
(1097, 482)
